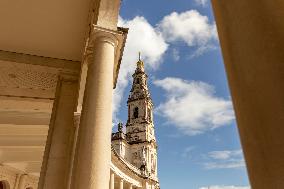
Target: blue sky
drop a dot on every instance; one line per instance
(194, 120)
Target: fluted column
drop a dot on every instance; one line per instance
(93, 151)
(130, 186)
(111, 183)
(121, 184)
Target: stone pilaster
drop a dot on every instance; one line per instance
(58, 151)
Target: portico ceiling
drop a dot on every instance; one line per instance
(39, 41)
(23, 132)
(53, 28)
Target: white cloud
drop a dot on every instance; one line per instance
(144, 38)
(190, 27)
(153, 41)
(201, 2)
(225, 159)
(192, 106)
(233, 164)
(225, 187)
(226, 154)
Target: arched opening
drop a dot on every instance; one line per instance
(136, 112)
(4, 185)
(137, 81)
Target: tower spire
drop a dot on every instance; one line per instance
(140, 129)
(140, 63)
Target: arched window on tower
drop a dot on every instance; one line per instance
(137, 81)
(135, 112)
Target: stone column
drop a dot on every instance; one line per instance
(251, 33)
(22, 181)
(121, 184)
(57, 156)
(111, 183)
(130, 186)
(93, 150)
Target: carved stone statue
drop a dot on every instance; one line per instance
(120, 127)
(143, 155)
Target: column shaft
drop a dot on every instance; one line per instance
(111, 183)
(121, 184)
(252, 40)
(130, 186)
(93, 151)
(57, 156)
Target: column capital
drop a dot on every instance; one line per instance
(100, 34)
(116, 38)
(67, 76)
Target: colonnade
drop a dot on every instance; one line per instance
(81, 159)
(10, 179)
(122, 184)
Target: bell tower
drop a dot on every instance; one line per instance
(140, 131)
